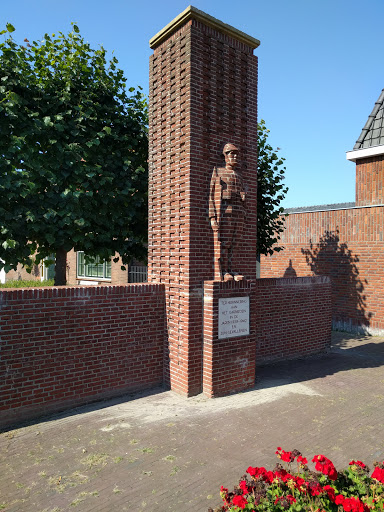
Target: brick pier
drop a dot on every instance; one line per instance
(203, 94)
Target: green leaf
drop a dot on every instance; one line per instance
(76, 29)
(9, 244)
(10, 27)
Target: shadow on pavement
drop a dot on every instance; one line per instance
(348, 352)
(87, 408)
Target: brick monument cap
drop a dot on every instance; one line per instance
(193, 13)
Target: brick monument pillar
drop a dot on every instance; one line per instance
(203, 95)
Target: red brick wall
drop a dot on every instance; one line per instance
(203, 93)
(63, 347)
(292, 317)
(348, 246)
(370, 181)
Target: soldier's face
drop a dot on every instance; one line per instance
(231, 158)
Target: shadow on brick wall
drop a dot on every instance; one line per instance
(290, 272)
(333, 258)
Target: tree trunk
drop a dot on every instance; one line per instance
(61, 268)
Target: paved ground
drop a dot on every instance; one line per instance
(160, 452)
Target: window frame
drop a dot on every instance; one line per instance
(106, 268)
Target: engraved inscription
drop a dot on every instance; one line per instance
(233, 317)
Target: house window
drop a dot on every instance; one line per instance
(92, 267)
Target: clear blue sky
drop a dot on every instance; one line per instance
(320, 69)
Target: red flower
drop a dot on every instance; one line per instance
(331, 492)
(314, 488)
(302, 460)
(378, 474)
(262, 473)
(357, 463)
(354, 505)
(243, 486)
(300, 484)
(285, 456)
(254, 471)
(325, 466)
(283, 475)
(239, 501)
(351, 504)
(224, 495)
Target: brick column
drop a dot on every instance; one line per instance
(203, 94)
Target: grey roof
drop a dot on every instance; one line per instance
(320, 207)
(373, 131)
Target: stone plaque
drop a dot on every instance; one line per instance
(233, 317)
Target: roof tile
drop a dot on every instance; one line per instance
(373, 132)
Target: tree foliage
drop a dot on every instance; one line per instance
(73, 153)
(270, 192)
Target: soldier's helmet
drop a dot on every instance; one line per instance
(229, 147)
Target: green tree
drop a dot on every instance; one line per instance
(73, 154)
(270, 192)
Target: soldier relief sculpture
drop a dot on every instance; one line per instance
(227, 211)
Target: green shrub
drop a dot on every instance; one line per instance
(19, 283)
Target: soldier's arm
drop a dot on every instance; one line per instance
(212, 204)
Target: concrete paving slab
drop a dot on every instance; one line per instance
(160, 452)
